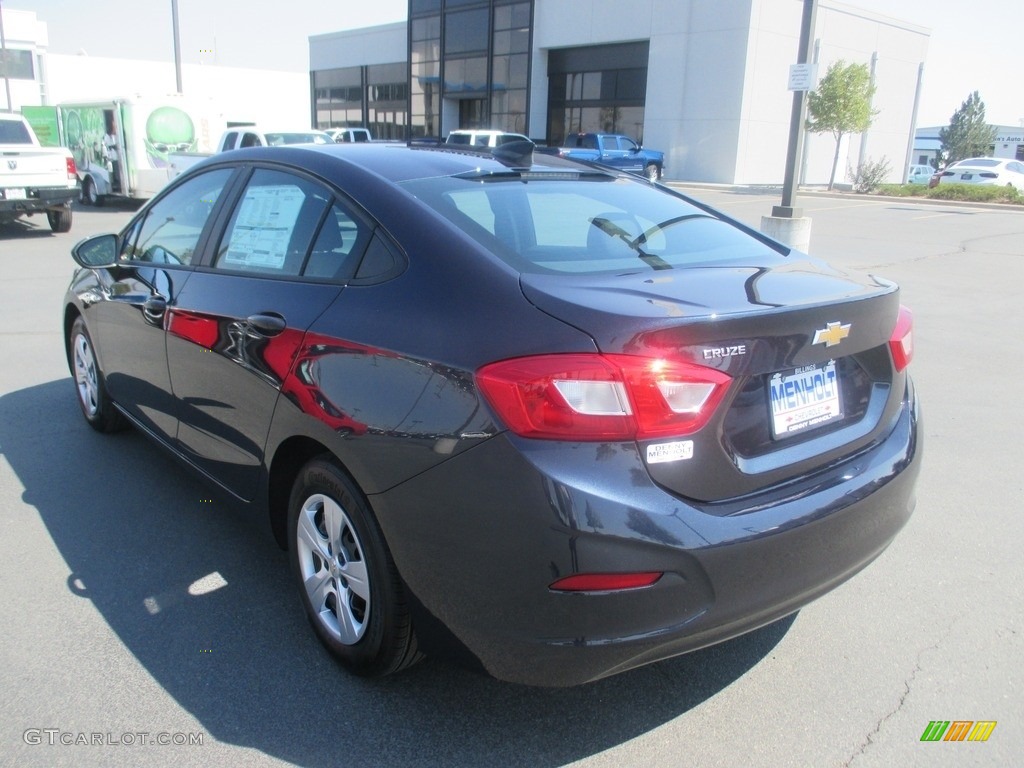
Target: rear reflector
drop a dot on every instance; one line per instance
(605, 582)
(590, 397)
(902, 340)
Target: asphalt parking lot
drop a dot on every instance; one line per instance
(139, 606)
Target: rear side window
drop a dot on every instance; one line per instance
(588, 225)
(338, 246)
(273, 224)
(173, 225)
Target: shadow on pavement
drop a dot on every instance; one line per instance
(203, 599)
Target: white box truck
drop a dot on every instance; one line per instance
(121, 146)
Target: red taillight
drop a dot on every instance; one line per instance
(988, 175)
(72, 170)
(902, 340)
(601, 397)
(605, 582)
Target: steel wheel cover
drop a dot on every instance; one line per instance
(333, 569)
(85, 375)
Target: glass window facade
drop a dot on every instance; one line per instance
(374, 96)
(16, 64)
(597, 88)
(469, 60)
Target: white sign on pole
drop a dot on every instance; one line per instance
(803, 77)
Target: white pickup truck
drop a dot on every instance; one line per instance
(244, 136)
(34, 179)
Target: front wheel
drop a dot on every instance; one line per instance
(96, 405)
(348, 582)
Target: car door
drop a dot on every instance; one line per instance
(287, 247)
(157, 253)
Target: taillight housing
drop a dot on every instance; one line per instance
(594, 397)
(902, 340)
(71, 168)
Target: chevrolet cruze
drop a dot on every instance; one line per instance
(548, 418)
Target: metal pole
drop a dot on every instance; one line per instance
(864, 136)
(6, 63)
(805, 143)
(177, 45)
(913, 124)
(796, 121)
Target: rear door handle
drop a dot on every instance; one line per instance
(154, 307)
(268, 324)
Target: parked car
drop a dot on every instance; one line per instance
(614, 150)
(919, 174)
(349, 135)
(245, 137)
(985, 170)
(541, 416)
(483, 138)
(33, 178)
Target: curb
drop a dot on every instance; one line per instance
(840, 195)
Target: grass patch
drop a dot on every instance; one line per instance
(966, 193)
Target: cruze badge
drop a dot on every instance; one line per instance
(716, 353)
(831, 334)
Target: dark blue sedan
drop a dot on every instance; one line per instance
(549, 419)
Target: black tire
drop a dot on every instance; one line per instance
(651, 172)
(89, 194)
(96, 405)
(348, 583)
(59, 219)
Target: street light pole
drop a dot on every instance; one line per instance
(177, 44)
(4, 61)
(797, 119)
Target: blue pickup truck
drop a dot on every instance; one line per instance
(616, 151)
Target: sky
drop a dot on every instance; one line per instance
(974, 45)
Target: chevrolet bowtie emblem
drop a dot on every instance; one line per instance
(831, 334)
(12, 164)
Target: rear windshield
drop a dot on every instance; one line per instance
(587, 225)
(978, 163)
(276, 139)
(14, 132)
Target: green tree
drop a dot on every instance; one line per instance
(841, 104)
(968, 134)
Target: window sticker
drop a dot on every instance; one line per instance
(263, 227)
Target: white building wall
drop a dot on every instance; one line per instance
(386, 44)
(852, 34)
(23, 32)
(241, 95)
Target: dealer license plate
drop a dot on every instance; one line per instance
(14, 194)
(804, 399)
(966, 176)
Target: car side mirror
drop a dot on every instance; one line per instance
(98, 252)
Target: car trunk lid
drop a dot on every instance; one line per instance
(806, 346)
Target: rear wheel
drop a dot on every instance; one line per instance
(96, 405)
(348, 582)
(59, 219)
(90, 196)
(651, 172)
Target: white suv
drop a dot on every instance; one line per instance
(481, 138)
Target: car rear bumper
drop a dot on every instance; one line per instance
(521, 513)
(38, 199)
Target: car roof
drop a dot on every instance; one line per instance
(404, 162)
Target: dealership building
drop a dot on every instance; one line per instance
(706, 81)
